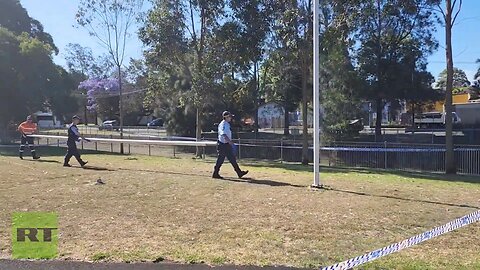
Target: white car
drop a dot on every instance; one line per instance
(109, 125)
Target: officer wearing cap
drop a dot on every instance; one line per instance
(73, 137)
(225, 147)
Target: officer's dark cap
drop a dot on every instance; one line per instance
(227, 113)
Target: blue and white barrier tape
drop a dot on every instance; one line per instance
(453, 225)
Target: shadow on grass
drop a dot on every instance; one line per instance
(265, 182)
(242, 180)
(94, 168)
(47, 151)
(333, 170)
(45, 161)
(399, 198)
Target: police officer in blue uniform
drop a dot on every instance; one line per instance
(225, 147)
(74, 136)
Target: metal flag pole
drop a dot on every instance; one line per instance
(316, 95)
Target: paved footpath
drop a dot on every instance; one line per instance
(75, 265)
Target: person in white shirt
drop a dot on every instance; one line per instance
(225, 147)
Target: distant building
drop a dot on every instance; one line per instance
(271, 115)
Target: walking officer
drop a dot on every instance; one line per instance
(27, 128)
(74, 136)
(225, 147)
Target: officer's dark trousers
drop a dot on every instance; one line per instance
(73, 151)
(27, 141)
(225, 150)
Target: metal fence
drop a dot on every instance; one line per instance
(393, 156)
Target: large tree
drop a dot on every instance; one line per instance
(82, 65)
(387, 32)
(111, 22)
(459, 81)
(30, 79)
(449, 13)
(15, 18)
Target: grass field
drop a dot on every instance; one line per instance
(154, 208)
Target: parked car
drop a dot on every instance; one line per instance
(109, 125)
(155, 123)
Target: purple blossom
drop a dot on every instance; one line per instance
(98, 88)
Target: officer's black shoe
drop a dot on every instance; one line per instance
(67, 165)
(20, 155)
(242, 174)
(83, 163)
(216, 176)
(35, 157)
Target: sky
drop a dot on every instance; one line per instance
(58, 19)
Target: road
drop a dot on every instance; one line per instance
(67, 265)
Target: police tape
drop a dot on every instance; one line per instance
(453, 225)
(134, 141)
(181, 141)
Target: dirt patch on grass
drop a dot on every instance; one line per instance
(152, 207)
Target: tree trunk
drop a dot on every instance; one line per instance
(305, 72)
(286, 121)
(378, 121)
(413, 117)
(85, 115)
(257, 96)
(120, 106)
(450, 166)
(198, 134)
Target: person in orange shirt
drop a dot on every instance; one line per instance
(27, 128)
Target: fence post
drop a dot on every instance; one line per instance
(82, 144)
(96, 146)
(58, 140)
(174, 154)
(111, 144)
(149, 150)
(129, 144)
(386, 158)
(281, 150)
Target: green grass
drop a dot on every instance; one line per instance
(155, 209)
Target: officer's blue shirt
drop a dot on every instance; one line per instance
(224, 129)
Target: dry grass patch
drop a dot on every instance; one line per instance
(154, 208)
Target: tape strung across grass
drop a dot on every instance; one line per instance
(157, 142)
(453, 225)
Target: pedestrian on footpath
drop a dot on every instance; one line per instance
(225, 147)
